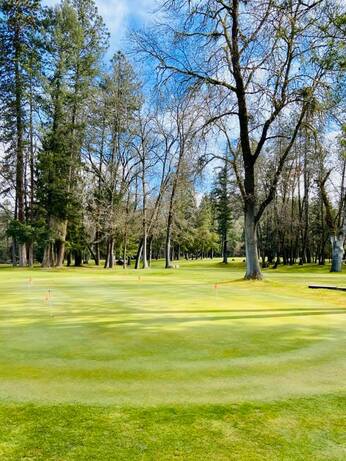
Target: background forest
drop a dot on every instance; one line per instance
(220, 133)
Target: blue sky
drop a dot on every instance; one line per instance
(120, 15)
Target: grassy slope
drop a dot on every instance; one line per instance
(186, 364)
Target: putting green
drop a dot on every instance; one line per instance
(196, 341)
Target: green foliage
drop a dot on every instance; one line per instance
(21, 232)
(221, 199)
(77, 237)
(77, 38)
(54, 165)
(206, 238)
(19, 53)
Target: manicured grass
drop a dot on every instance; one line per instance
(187, 364)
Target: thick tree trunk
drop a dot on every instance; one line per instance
(60, 231)
(337, 252)
(78, 258)
(54, 252)
(60, 253)
(22, 254)
(31, 255)
(337, 229)
(109, 263)
(253, 270)
(48, 255)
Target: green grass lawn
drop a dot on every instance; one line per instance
(188, 364)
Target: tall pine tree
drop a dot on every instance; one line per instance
(19, 27)
(221, 198)
(78, 39)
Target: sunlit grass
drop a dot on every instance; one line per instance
(161, 359)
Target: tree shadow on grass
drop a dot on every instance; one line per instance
(140, 317)
(162, 320)
(211, 311)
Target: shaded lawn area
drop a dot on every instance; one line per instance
(186, 364)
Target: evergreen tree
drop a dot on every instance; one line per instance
(206, 239)
(78, 38)
(222, 200)
(19, 28)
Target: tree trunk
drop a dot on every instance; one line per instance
(97, 249)
(253, 270)
(54, 252)
(60, 230)
(48, 255)
(139, 254)
(22, 253)
(31, 168)
(78, 258)
(31, 254)
(150, 249)
(60, 253)
(224, 250)
(92, 253)
(109, 263)
(337, 252)
(169, 264)
(14, 252)
(144, 218)
(20, 192)
(125, 255)
(145, 251)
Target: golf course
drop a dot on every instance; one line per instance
(193, 363)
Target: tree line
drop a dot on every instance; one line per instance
(223, 136)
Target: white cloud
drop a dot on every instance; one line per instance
(120, 15)
(115, 15)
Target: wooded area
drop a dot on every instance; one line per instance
(221, 133)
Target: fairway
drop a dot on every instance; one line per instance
(188, 364)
